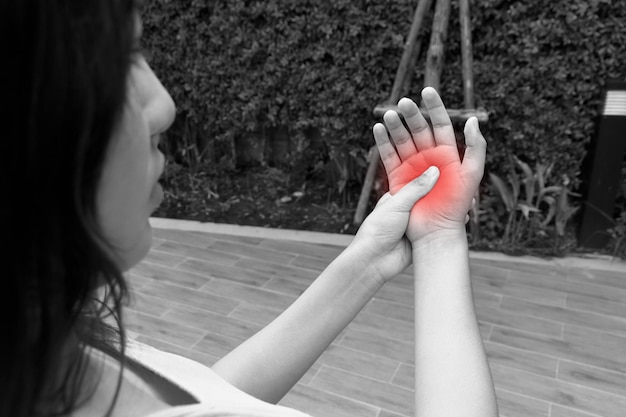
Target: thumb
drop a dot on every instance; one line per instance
(405, 199)
(476, 147)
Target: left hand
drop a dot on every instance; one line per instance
(381, 243)
(414, 150)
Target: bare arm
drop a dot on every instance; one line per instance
(452, 376)
(268, 364)
(272, 361)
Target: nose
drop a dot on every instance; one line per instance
(159, 109)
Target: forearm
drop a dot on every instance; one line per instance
(270, 363)
(452, 376)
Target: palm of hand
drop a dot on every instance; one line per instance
(418, 146)
(446, 204)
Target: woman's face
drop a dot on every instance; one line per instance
(129, 191)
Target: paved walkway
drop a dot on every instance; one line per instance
(555, 331)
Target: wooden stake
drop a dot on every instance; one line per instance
(466, 54)
(468, 92)
(409, 55)
(436, 50)
(411, 51)
(370, 176)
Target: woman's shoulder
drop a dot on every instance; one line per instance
(215, 396)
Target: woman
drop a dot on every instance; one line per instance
(82, 132)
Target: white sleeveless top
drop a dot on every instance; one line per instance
(215, 396)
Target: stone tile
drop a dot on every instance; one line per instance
(596, 305)
(317, 402)
(387, 413)
(571, 287)
(521, 359)
(156, 241)
(517, 290)
(502, 317)
(379, 346)
(357, 362)
(248, 240)
(277, 269)
(370, 391)
(189, 297)
(384, 327)
(309, 262)
(486, 270)
(171, 275)
(203, 358)
(226, 272)
(486, 299)
(199, 239)
(593, 377)
(310, 374)
(396, 295)
(248, 293)
(390, 309)
(255, 313)
(403, 280)
(206, 360)
(155, 306)
(215, 254)
(601, 348)
(162, 345)
(572, 348)
(591, 276)
(253, 251)
(158, 257)
(559, 411)
(518, 304)
(484, 329)
(161, 329)
(298, 248)
(212, 323)
(559, 392)
(511, 404)
(215, 344)
(289, 286)
(564, 315)
(405, 376)
(136, 281)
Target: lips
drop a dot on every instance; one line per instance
(156, 197)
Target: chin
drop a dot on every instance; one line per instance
(134, 255)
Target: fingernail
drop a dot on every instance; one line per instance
(475, 123)
(432, 171)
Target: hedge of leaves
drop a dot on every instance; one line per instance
(236, 68)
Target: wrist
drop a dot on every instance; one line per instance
(357, 264)
(440, 242)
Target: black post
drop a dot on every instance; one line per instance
(602, 169)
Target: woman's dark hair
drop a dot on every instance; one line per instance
(63, 78)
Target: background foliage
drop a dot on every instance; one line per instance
(300, 78)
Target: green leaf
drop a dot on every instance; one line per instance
(551, 201)
(505, 194)
(526, 210)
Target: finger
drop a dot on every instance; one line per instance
(382, 200)
(473, 203)
(442, 126)
(475, 148)
(405, 199)
(388, 153)
(418, 126)
(467, 218)
(400, 136)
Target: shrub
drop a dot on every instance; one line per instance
(239, 70)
